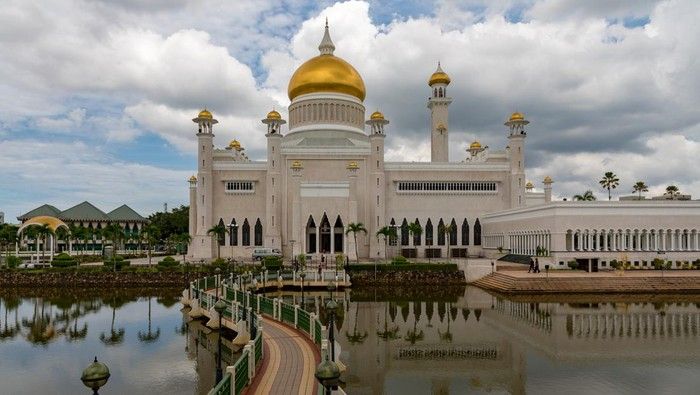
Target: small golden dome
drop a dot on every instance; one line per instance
(353, 166)
(297, 164)
(235, 144)
(441, 126)
(516, 116)
(193, 179)
(205, 114)
(274, 115)
(475, 145)
(376, 115)
(548, 180)
(439, 77)
(529, 185)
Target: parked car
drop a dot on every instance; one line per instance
(260, 253)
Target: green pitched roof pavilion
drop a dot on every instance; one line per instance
(86, 211)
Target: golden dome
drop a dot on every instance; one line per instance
(529, 185)
(297, 164)
(439, 77)
(193, 179)
(205, 114)
(376, 115)
(274, 115)
(475, 145)
(326, 73)
(353, 166)
(548, 180)
(516, 116)
(441, 126)
(234, 144)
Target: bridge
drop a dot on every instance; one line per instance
(282, 343)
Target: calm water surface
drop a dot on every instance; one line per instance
(398, 341)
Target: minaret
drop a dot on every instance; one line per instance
(548, 189)
(377, 199)
(193, 206)
(205, 185)
(438, 103)
(516, 126)
(273, 206)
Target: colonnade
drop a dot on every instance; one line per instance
(633, 240)
(526, 243)
(682, 324)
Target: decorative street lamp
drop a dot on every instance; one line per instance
(302, 275)
(331, 307)
(95, 376)
(219, 307)
(218, 272)
(328, 373)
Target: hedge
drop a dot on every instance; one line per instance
(420, 267)
(63, 260)
(168, 262)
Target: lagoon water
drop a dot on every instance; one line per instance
(398, 341)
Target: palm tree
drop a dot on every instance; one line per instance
(586, 197)
(672, 191)
(44, 232)
(640, 187)
(76, 232)
(415, 230)
(8, 236)
(62, 234)
(354, 228)
(447, 230)
(149, 336)
(386, 232)
(609, 181)
(218, 230)
(115, 233)
(355, 337)
(388, 334)
(183, 240)
(151, 235)
(415, 335)
(115, 336)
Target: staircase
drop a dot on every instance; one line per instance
(497, 282)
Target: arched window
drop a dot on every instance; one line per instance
(404, 233)
(477, 233)
(465, 233)
(258, 233)
(233, 233)
(429, 233)
(245, 233)
(453, 233)
(441, 233)
(416, 236)
(221, 238)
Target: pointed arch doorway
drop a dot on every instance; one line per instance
(311, 236)
(325, 229)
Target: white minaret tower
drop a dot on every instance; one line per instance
(438, 103)
(376, 124)
(193, 206)
(202, 243)
(516, 126)
(273, 206)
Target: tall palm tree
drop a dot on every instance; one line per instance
(586, 197)
(609, 181)
(44, 231)
(114, 233)
(673, 191)
(115, 336)
(356, 337)
(447, 230)
(76, 232)
(640, 187)
(415, 230)
(354, 228)
(149, 336)
(218, 230)
(151, 234)
(388, 334)
(183, 240)
(386, 232)
(62, 234)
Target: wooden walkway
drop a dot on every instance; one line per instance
(289, 363)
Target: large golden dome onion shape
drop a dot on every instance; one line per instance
(326, 73)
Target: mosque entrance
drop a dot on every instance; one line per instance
(338, 235)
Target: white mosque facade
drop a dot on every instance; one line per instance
(328, 170)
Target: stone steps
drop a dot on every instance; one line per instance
(504, 283)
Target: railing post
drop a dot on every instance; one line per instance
(250, 349)
(296, 316)
(274, 309)
(232, 371)
(312, 326)
(279, 311)
(257, 304)
(260, 333)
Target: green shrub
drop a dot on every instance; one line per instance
(168, 261)
(696, 264)
(658, 263)
(573, 265)
(119, 262)
(399, 260)
(669, 265)
(13, 261)
(63, 260)
(419, 267)
(272, 263)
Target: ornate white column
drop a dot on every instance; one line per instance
(605, 240)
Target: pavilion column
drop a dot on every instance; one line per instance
(662, 236)
(697, 247)
(648, 238)
(605, 240)
(672, 240)
(589, 241)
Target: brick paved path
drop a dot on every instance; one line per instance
(289, 363)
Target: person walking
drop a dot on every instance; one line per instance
(532, 266)
(537, 266)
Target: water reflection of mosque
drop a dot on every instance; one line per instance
(476, 341)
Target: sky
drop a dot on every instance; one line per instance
(97, 97)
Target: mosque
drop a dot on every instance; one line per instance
(328, 170)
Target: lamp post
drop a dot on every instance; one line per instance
(95, 376)
(218, 272)
(331, 306)
(328, 373)
(219, 307)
